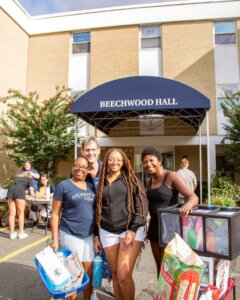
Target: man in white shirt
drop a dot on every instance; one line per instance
(188, 176)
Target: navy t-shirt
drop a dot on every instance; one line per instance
(34, 180)
(78, 212)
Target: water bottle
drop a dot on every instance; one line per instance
(97, 271)
(48, 193)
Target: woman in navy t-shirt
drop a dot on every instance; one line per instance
(30, 172)
(74, 199)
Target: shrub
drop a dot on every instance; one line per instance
(224, 191)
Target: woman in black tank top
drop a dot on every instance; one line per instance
(162, 191)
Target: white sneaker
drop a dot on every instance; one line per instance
(13, 235)
(22, 235)
(94, 296)
(109, 288)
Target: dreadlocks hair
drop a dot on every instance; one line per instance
(132, 183)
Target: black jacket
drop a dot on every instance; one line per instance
(115, 207)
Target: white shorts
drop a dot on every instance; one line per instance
(109, 239)
(84, 247)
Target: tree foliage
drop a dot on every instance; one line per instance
(39, 131)
(231, 141)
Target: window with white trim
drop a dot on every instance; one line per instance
(150, 37)
(81, 42)
(225, 33)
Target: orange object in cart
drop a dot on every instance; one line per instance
(215, 291)
(188, 285)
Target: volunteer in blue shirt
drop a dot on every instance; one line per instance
(74, 199)
(30, 172)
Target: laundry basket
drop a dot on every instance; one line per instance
(49, 285)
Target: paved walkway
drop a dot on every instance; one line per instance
(20, 279)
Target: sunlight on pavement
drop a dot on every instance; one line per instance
(11, 255)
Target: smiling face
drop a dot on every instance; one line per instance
(151, 164)
(115, 162)
(80, 169)
(91, 151)
(27, 166)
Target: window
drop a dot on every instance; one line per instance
(150, 37)
(81, 42)
(225, 33)
(221, 90)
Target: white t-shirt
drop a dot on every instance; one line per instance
(189, 177)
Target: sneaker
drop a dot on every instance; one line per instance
(94, 296)
(22, 235)
(109, 288)
(13, 235)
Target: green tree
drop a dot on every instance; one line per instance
(231, 141)
(39, 131)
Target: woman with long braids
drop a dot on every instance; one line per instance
(121, 219)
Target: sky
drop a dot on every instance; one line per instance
(40, 7)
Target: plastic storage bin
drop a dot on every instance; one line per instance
(51, 288)
(208, 230)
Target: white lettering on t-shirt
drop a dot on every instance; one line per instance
(89, 197)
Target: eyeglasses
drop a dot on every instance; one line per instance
(80, 167)
(118, 160)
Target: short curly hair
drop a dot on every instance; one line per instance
(152, 151)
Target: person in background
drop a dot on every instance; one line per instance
(75, 200)
(16, 198)
(163, 188)
(32, 173)
(90, 149)
(27, 169)
(38, 211)
(121, 219)
(188, 177)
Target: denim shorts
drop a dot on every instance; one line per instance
(109, 239)
(83, 246)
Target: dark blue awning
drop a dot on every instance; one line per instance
(106, 105)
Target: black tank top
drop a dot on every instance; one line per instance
(160, 197)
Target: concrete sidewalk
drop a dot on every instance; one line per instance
(21, 281)
(145, 278)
